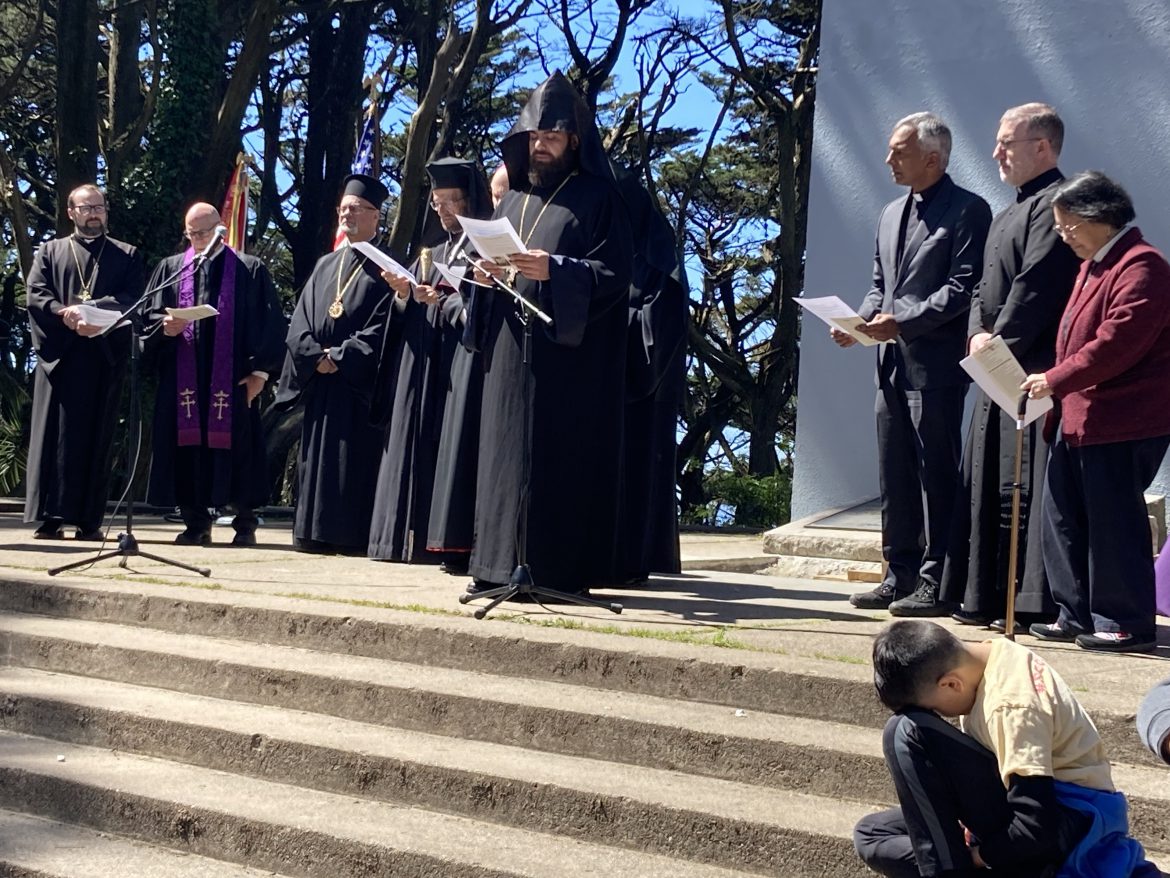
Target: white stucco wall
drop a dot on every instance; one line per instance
(1104, 66)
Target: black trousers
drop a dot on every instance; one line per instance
(1096, 535)
(945, 780)
(919, 452)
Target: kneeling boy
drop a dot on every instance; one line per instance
(1024, 789)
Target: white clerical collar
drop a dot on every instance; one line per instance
(1104, 251)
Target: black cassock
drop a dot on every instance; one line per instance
(571, 393)
(1028, 275)
(414, 374)
(197, 475)
(77, 384)
(655, 385)
(340, 447)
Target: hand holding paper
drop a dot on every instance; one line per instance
(833, 311)
(1000, 375)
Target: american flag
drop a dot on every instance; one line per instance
(363, 158)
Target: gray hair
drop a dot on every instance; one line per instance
(1092, 196)
(1042, 121)
(933, 134)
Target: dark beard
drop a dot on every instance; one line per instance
(548, 175)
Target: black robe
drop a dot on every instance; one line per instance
(408, 405)
(340, 447)
(77, 384)
(570, 394)
(452, 524)
(197, 475)
(655, 386)
(1027, 278)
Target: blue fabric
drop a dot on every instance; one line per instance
(1107, 850)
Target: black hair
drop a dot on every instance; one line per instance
(909, 657)
(1092, 196)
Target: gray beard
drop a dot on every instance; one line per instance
(548, 175)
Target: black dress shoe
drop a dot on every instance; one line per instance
(479, 586)
(878, 599)
(193, 538)
(965, 618)
(94, 535)
(1000, 625)
(50, 530)
(1108, 641)
(244, 539)
(1054, 632)
(456, 567)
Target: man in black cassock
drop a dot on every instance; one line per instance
(427, 394)
(77, 383)
(562, 398)
(208, 448)
(333, 343)
(655, 384)
(1027, 279)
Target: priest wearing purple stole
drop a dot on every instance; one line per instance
(208, 443)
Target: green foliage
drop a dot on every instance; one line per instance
(744, 500)
(14, 402)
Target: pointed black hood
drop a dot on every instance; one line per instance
(555, 105)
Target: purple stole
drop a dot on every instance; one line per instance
(219, 407)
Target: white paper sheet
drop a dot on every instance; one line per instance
(197, 312)
(453, 279)
(833, 311)
(999, 374)
(492, 239)
(95, 316)
(383, 261)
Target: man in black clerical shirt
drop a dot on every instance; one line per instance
(927, 261)
(208, 448)
(78, 379)
(1028, 274)
(549, 475)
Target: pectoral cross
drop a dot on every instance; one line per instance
(220, 404)
(187, 401)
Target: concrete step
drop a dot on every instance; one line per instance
(732, 824)
(301, 832)
(757, 747)
(35, 847)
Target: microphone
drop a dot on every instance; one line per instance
(457, 251)
(220, 232)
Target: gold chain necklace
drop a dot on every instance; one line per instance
(86, 291)
(544, 207)
(337, 309)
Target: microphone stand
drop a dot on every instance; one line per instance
(127, 542)
(521, 583)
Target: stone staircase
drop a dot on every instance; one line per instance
(150, 730)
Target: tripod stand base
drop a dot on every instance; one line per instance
(521, 584)
(128, 548)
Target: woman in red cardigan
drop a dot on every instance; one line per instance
(1112, 385)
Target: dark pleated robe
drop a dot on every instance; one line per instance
(77, 383)
(566, 403)
(196, 475)
(408, 405)
(1027, 278)
(340, 447)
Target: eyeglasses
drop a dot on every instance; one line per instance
(1008, 144)
(87, 209)
(353, 208)
(1066, 231)
(438, 204)
(192, 234)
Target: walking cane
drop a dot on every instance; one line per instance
(1009, 630)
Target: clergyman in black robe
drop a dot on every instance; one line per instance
(424, 373)
(563, 399)
(655, 385)
(333, 342)
(208, 444)
(1027, 279)
(77, 383)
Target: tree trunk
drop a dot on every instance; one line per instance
(76, 124)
